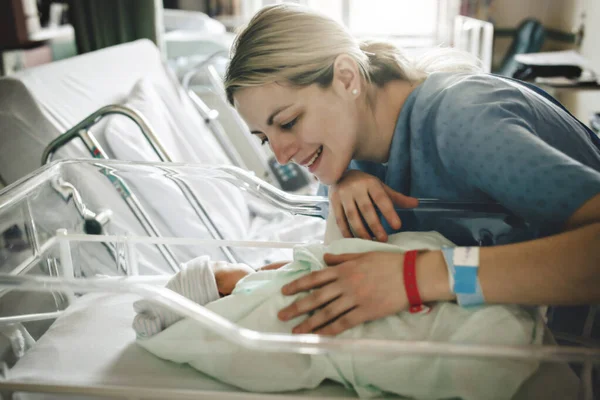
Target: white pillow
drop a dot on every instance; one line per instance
(184, 134)
(164, 112)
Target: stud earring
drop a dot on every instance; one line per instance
(355, 91)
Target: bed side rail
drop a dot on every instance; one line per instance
(81, 131)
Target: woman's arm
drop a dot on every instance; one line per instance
(557, 270)
(538, 162)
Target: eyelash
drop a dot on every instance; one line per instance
(286, 127)
(289, 125)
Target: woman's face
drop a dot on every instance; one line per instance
(311, 126)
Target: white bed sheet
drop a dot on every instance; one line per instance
(93, 344)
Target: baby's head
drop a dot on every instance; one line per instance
(227, 275)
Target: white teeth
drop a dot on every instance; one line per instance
(314, 158)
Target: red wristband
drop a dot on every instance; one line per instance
(410, 283)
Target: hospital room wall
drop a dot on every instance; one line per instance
(584, 103)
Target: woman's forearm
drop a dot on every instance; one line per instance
(561, 269)
(557, 270)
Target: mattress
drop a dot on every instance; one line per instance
(93, 345)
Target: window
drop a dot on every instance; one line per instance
(409, 23)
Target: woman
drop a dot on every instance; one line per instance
(378, 128)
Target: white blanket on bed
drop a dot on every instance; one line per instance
(257, 299)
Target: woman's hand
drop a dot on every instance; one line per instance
(357, 288)
(357, 193)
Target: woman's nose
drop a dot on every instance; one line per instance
(285, 146)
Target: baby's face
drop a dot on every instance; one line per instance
(228, 275)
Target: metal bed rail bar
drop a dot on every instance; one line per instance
(81, 131)
(210, 118)
(94, 118)
(209, 115)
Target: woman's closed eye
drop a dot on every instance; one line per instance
(289, 125)
(286, 127)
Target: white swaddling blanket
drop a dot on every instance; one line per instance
(257, 298)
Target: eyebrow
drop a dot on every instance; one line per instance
(272, 116)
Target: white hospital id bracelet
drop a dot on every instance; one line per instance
(463, 265)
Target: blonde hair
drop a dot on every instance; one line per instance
(290, 43)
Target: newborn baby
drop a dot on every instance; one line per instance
(252, 300)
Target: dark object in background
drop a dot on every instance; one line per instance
(92, 227)
(290, 177)
(172, 4)
(530, 72)
(595, 123)
(105, 23)
(529, 38)
(44, 11)
(212, 8)
(13, 26)
(15, 239)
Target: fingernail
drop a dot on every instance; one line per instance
(284, 290)
(282, 315)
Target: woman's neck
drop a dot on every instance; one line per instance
(382, 109)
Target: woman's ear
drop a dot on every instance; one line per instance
(346, 76)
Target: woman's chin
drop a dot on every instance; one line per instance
(327, 178)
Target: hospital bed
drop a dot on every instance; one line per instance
(89, 97)
(43, 102)
(90, 281)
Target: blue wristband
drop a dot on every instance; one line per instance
(463, 265)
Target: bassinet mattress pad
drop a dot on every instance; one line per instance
(92, 344)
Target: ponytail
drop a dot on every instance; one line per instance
(289, 43)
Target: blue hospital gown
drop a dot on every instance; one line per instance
(482, 138)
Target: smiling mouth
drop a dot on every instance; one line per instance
(314, 157)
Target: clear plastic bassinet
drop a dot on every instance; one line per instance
(74, 231)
